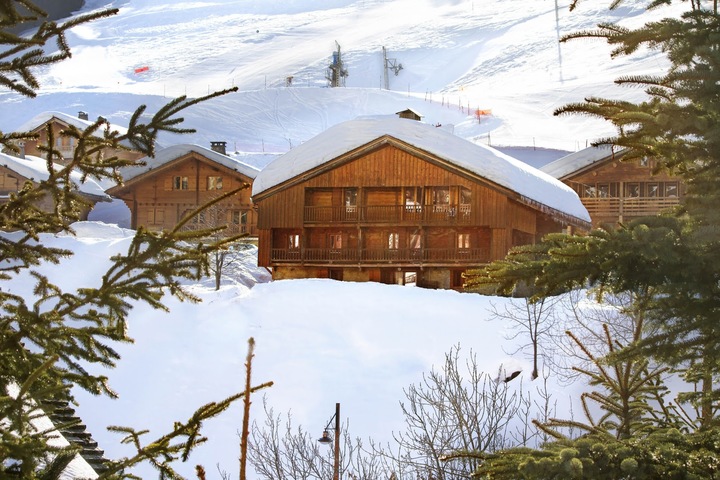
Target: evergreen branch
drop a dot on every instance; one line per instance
(176, 445)
(17, 67)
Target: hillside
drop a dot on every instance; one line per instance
(457, 56)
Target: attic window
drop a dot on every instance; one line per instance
(180, 183)
(214, 183)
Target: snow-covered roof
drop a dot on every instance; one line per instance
(44, 117)
(480, 160)
(35, 169)
(169, 154)
(568, 164)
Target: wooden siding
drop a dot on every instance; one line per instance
(389, 211)
(388, 166)
(615, 191)
(10, 181)
(66, 145)
(156, 202)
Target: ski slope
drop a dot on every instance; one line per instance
(457, 56)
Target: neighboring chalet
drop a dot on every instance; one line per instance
(181, 178)
(15, 171)
(613, 190)
(398, 201)
(409, 113)
(63, 143)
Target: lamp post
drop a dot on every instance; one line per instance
(325, 439)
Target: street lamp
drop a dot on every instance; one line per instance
(325, 440)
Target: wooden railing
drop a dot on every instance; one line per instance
(231, 229)
(374, 256)
(629, 207)
(395, 214)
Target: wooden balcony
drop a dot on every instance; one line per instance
(231, 228)
(392, 214)
(404, 256)
(628, 207)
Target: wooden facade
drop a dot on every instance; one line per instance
(179, 180)
(16, 171)
(614, 190)
(390, 212)
(66, 144)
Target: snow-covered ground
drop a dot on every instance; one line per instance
(457, 55)
(320, 341)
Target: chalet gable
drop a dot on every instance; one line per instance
(81, 122)
(582, 161)
(347, 141)
(35, 169)
(169, 158)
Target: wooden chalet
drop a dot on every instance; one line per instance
(16, 171)
(614, 190)
(395, 200)
(66, 144)
(409, 113)
(181, 178)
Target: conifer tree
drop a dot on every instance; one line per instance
(676, 255)
(671, 262)
(47, 342)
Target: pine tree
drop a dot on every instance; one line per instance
(671, 262)
(677, 255)
(48, 341)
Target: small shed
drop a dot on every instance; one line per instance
(410, 114)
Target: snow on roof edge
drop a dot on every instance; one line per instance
(481, 160)
(173, 152)
(35, 169)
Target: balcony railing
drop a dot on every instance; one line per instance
(628, 207)
(395, 214)
(230, 228)
(374, 256)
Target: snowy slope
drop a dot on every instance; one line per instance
(457, 55)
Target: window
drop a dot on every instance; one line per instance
(603, 190)
(441, 196)
(415, 241)
(632, 190)
(335, 241)
(350, 195)
(294, 241)
(463, 241)
(214, 183)
(156, 216)
(65, 142)
(350, 201)
(393, 241)
(465, 200)
(239, 217)
(653, 190)
(671, 189)
(413, 198)
(180, 183)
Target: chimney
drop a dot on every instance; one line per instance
(82, 115)
(218, 147)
